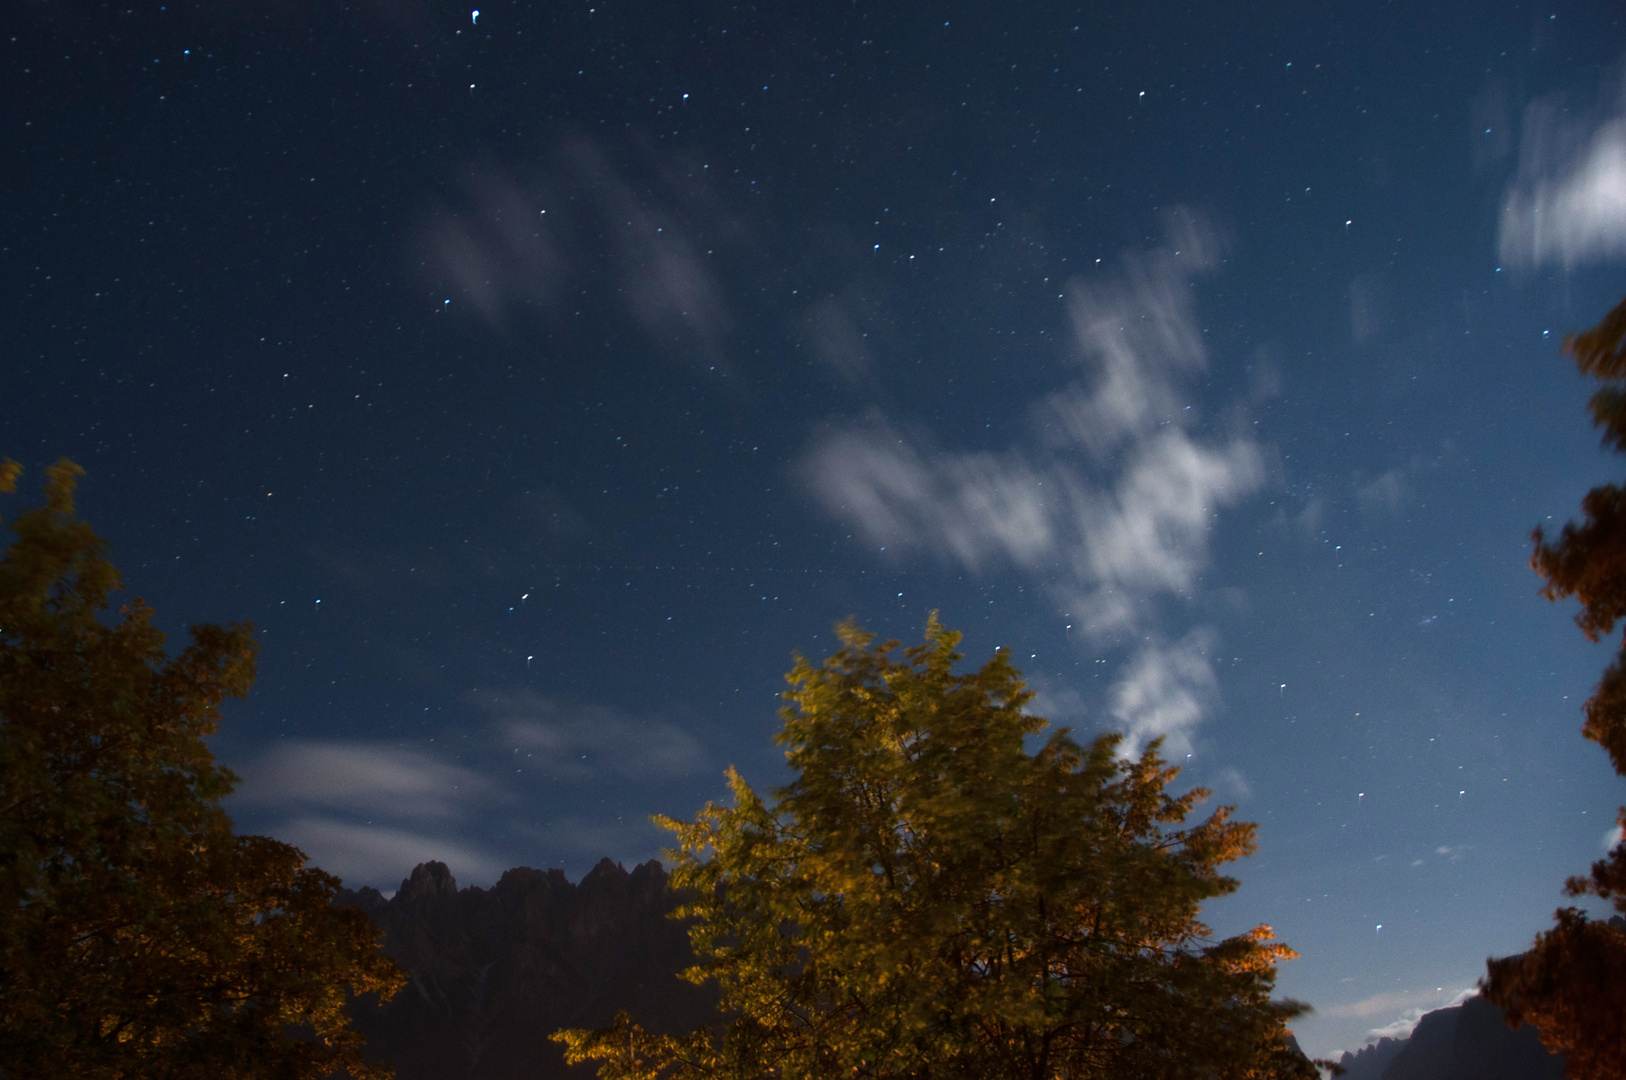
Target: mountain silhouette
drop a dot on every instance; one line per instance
(1470, 1041)
(493, 972)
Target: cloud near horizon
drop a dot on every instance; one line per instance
(369, 812)
(1110, 502)
(381, 856)
(1412, 1006)
(363, 778)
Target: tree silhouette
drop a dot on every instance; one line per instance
(1571, 985)
(930, 898)
(138, 936)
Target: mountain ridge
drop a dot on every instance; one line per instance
(492, 973)
(1470, 1041)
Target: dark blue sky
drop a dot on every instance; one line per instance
(539, 383)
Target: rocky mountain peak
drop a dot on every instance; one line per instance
(492, 972)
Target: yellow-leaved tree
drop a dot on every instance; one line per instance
(932, 898)
(139, 937)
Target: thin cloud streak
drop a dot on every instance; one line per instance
(380, 856)
(585, 740)
(513, 247)
(363, 778)
(1415, 1005)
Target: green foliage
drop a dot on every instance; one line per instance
(138, 936)
(930, 898)
(1571, 985)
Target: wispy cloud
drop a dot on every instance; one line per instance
(670, 292)
(381, 856)
(972, 508)
(363, 777)
(1380, 1004)
(589, 739)
(1567, 205)
(1164, 693)
(833, 333)
(1385, 494)
(1111, 500)
(514, 245)
(1234, 784)
(1413, 1005)
(1148, 535)
(498, 248)
(371, 811)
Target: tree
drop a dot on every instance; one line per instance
(1571, 985)
(138, 936)
(928, 898)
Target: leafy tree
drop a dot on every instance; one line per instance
(1571, 985)
(929, 898)
(138, 936)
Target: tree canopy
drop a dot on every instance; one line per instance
(932, 898)
(1571, 985)
(139, 937)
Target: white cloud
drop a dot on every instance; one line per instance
(1112, 501)
(971, 508)
(586, 739)
(1141, 334)
(1164, 693)
(1119, 499)
(1567, 204)
(1399, 1028)
(382, 857)
(1148, 535)
(1611, 839)
(1412, 1005)
(363, 777)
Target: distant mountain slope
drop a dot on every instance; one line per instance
(1368, 1063)
(494, 971)
(1470, 1041)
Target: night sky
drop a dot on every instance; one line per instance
(539, 380)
